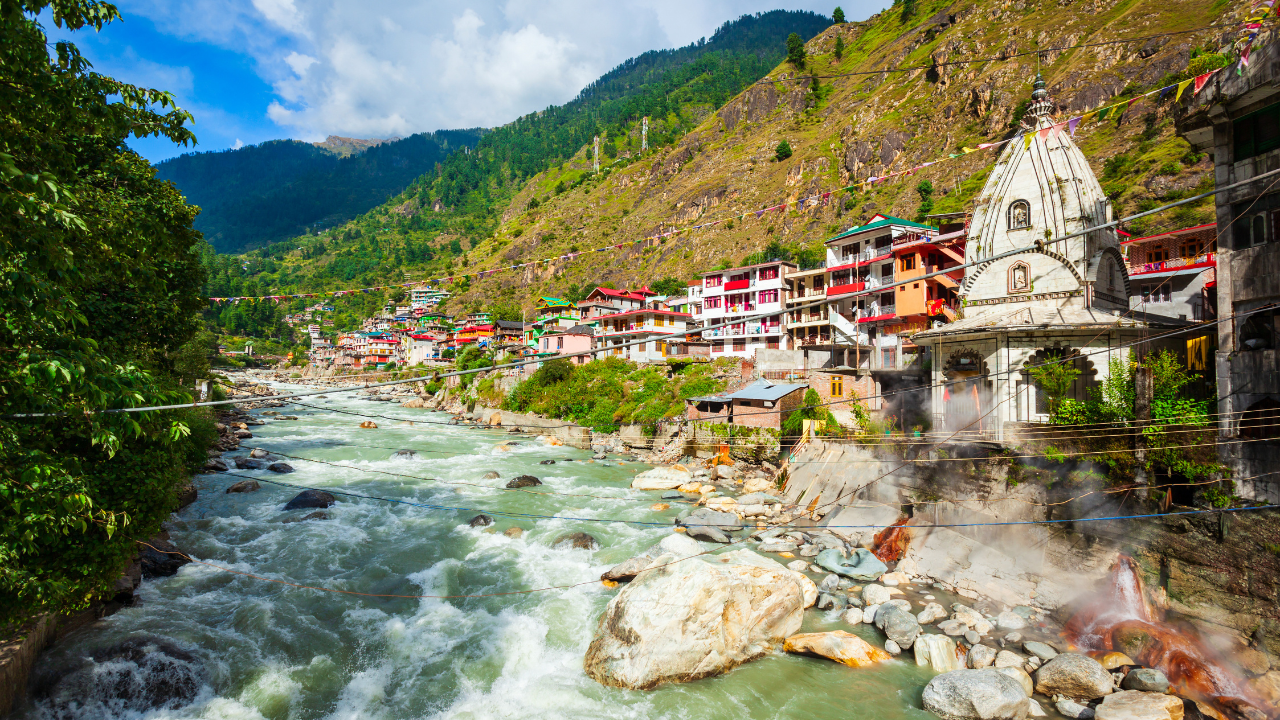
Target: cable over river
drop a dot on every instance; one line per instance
(206, 643)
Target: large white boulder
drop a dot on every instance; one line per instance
(936, 651)
(975, 695)
(687, 620)
(662, 478)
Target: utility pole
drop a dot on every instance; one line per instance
(644, 134)
(595, 154)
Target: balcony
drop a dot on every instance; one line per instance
(911, 239)
(1204, 260)
(740, 331)
(738, 284)
(740, 308)
(807, 294)
(865, 256)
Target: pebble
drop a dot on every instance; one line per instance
(972, 637)
(853, 616)
(892, 648)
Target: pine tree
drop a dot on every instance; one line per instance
(837, 16)
(839, 46)
(784, 151)
(925, 189)
(795, 50)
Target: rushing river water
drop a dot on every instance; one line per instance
(265, 650)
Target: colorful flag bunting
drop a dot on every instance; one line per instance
(1181, 86)
(1200, 81)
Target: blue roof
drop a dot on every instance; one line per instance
(758, 390)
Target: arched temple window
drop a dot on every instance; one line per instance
(1019, 215)
(1019, 278)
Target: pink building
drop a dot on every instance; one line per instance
(579, 338)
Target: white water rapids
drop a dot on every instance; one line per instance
(257, 649)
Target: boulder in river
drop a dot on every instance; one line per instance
(876, 594)
(981, 656)
(707, 533)
(481, 520)
(662, 478)
(134, 677)
(726, 521)
(491, 475)
(931, 613)
(936, 651)
(317, 515)
(311, 499)
(1146, 680)
(898, 624)
(838, 645)
(280, 467)
(1075, 676)
(403, 454)
(862, 566)
(215, 465)
(244, 463)
(259, 454)
(244, 486)
(369, 425)
(676, 544)
(523, 481)
(578, 541)
(682, 621)
(1040, 650)
(547, 462)
(1137, 705)
(975, 695)
(1021, 677)
(161, 558)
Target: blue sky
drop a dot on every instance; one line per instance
(255, 70)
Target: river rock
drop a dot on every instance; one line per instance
(898, 624)
(1115, 660)
(975, 695)
(1034, 709)
(759, 498)
(259, 454)
(242, 434)
(708, 534)
(853, 616)
(777, 546)
(280, 467)
(966, 615)
(936, 651)
(244, 486)
(547, 462)
(491, 475)
(311, 499)
(892, 647)
(1136, 705)
(403, 454)
(132, 678)
(1007, 659)
(1020, 675)
(513, 532)
(726, 521)
(954, 628)
(838, 645)
(830, 583)
(577, 540)
(481, 520)
(160, 558)
(972, 637)
(829, 601)
(1073, 709)
(875, 594)
(931, 613)
(1009, 620)
(1146, 680)
(1040, 650)
(245, 463)
(698, 618)
(981, 656)
(215, 465)
(317, 515)
(862, 566)
(676, 544)
(1072, 675)
(663, 478)
(523, 481)
(798, 566)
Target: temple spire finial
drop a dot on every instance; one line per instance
(1041, 106)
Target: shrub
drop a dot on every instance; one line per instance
(783, 151)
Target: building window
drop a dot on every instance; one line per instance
(889, 358)
(1189, 249)
(1019, 215)
(769, 273)
(1256, 133)
(740, 345)
(886, 271)
(559, 343)
(1259, 331)
(713, 281)
(711, 303)
(1155, 255)
(1154, 293)
(717, 347)
(659, 321)
(837, 387)
(908, 262)
(768, 296)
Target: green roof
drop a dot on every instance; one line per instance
(549, 301)
(886, 221)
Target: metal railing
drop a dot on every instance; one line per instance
(1171, 264)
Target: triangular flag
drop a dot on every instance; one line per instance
(1181, 86)
(967, 150)
(1027, 139)
(1165, 91)
(1201, 80)
(1071, 125)
(1103, 113)
(1089, 117)
(984, 146)
(1044, 132)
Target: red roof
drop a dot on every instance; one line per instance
(1171, 233)
(637, 295)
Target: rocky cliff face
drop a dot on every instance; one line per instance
(868, 122)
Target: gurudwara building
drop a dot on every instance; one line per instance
(1041, 289)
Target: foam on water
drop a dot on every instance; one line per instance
(275, 652)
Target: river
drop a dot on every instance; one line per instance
(266, 650)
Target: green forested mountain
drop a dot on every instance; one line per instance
(430, 226)
(282, 188)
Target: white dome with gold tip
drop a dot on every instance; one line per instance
(1036, 193)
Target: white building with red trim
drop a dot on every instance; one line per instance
(651, 326)
(736, 294)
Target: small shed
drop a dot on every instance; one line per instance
(761, 404)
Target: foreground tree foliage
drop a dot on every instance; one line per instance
(99, 290)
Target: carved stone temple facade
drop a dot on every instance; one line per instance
(1032, 297)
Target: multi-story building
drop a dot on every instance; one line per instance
(568, 341)
(1235, 118)
(1173, 275)
(651, 326)
(552, 313)
(733, 295)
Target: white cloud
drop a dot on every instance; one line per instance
(352, 67)
(237, 144)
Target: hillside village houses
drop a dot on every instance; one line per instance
(866, 322)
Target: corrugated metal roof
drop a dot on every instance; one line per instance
(758, 390)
